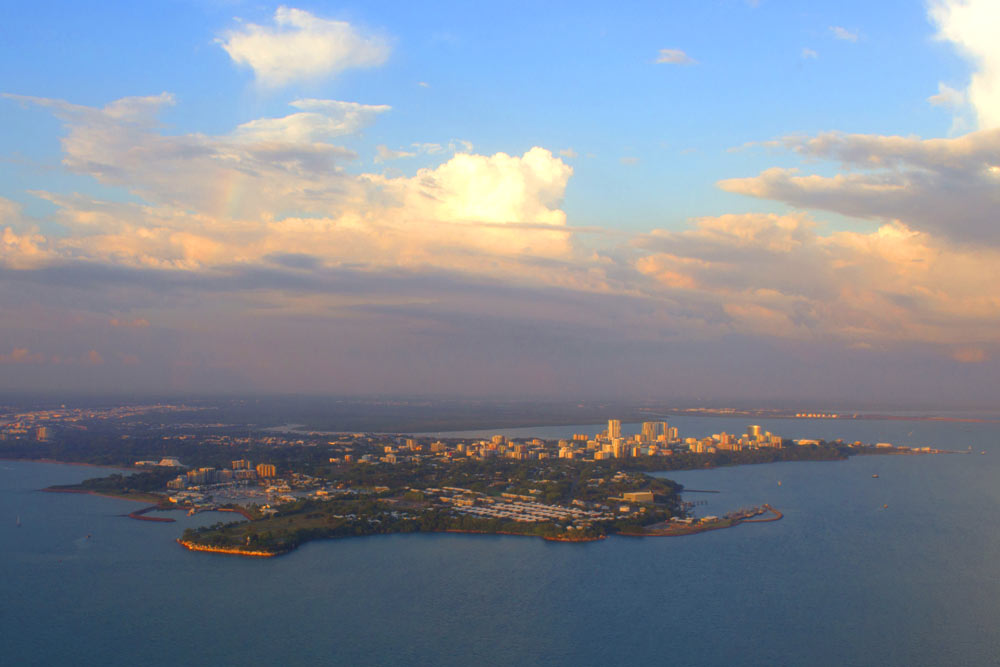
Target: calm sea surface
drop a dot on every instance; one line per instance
(899, 570)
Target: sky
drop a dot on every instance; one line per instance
(704, 200)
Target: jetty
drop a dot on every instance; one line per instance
(675, 528)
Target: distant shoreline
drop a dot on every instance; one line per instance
(71, 463)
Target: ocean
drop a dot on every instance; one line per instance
(899, 570)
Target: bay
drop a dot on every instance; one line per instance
(898, 570)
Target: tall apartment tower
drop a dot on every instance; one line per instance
(614, 428)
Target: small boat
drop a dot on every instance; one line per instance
(875, 476)
(779, 482)
(18, 520)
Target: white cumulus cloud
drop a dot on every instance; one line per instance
(971, 25)
(300, 46)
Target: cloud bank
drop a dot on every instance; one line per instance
(270, 255)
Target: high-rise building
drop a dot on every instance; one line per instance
(650, 430)
(266, 470)
(619, 448)
(614, 428)
(753, 431)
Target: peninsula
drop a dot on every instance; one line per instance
(322, 485)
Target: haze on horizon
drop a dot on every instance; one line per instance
(735, 199)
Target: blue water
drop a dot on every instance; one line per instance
(841, 580)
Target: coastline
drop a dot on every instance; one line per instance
(694, 529)
(72, 463)
(673, 531)
(149, 497)
(192, 546)
(140, 515)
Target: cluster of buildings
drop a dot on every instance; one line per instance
(39, 424)
(241, 471)
(25, 431)
(656, 438)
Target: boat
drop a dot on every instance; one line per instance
(18, 520)
(779, 482)
(875, 476)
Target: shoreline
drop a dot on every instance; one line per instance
(72, 463)
(147, 498)
(140, 515)
(235, 551)
(694, 529)
(671, 532)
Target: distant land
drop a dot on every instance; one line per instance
(404, 414)
(295, 485)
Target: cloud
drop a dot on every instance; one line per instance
(20, 243)
(275, 186)
(970, 355)
(423, 84)
(471, 191)
(674, 57)
(428, 148)
(844, 33)
(947, 97)
(300, 47)
(262, 230)
(809, 53)
(777, 276)
(629, 160)
(971, 26)
(22, 355)
(569, 153)
(265, 167)
(385, 154)
(320, 120)
(137, 323)
(944, 186)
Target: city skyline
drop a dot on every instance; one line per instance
(727, 200)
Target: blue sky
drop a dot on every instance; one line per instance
(506, 78)
(657, 145)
